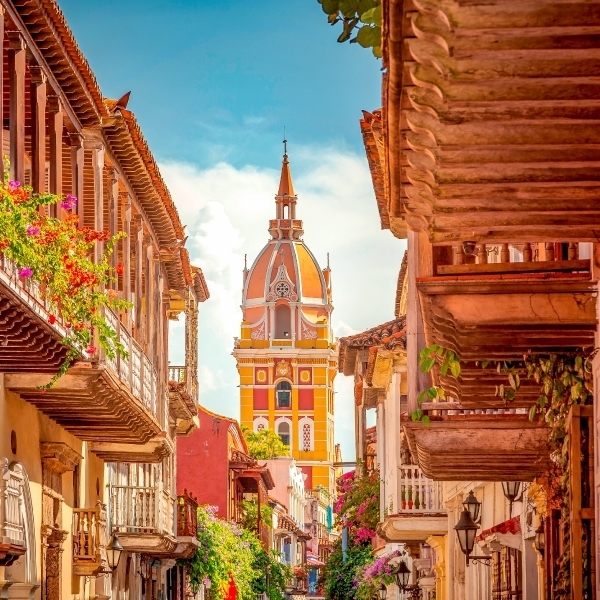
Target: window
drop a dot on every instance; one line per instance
(283, 430)
(283, 393)
(283, 322)
(306, 437)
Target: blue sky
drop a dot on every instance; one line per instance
(213, 84)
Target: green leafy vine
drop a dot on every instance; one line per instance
(361, 21)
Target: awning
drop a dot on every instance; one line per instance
(313, 561)
(505, 534)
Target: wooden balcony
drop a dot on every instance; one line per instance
(187, 515)
(297, 586)
(113, 403)
(183, 396)
(90, 538)
(12, 522)
(501, 302)
(481, 445)
(492, 130)
(420, 511)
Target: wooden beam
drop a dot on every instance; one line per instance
(37, 95)
(16, 76)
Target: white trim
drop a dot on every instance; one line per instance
(301, 423)
(281, 420)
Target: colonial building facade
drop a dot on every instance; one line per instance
(286, 355)
(91, 459)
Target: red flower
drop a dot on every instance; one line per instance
(119, 269)
(68, 325)
(51, 319)
(43, 391)
(91, 349)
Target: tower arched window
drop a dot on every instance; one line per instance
(283, 431)
(286, 211)
(283, 394)
(283, 322)
(306, 434)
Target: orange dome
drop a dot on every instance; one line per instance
(286, 276)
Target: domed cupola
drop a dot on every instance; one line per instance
(286, 294)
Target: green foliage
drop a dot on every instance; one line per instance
(264, 444)
(226, 549)
(360, 19)
(250, 510)
(57, 255)
(339, 576)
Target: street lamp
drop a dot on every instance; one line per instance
(382, 592)
(540, 539)
(402, 575)
(113, 552)
(466, 529)
(512, 491)
(473, 506)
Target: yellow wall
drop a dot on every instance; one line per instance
(31, 428)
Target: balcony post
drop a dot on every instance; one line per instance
(127, 258)
(37, 95)
(113, 217)
(527, 253)
(56, 146)
(16, 75)
(77, 158)
(2, 90)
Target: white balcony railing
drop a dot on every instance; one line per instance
(12, 526)
(418, 494)
(135, 371)
(142, 509)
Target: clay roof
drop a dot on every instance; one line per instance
(286, 187)
(388, 336)
(233, 425)
(47, 26)
(371, 126)
(200, 287)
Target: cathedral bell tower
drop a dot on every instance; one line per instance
(286, 355)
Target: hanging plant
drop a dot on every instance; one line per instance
(57, 255)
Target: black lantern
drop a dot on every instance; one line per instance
(402, 576)
(466, 529)
(540, 539)
(113, 552)
(512, 491)
(382, 592)
(473, 506)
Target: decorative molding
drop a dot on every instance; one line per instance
(59, 457)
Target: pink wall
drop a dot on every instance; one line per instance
(280, 471)
(203, 462)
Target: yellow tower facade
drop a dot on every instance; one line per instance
(286, 355)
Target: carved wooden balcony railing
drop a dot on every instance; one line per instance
(183, 393)
(90, 538)
(187, 515)
(142, 510)
(419, 495)
(12, 525)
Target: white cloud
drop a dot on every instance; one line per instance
(227, 209)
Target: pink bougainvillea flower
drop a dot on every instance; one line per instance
(91, 349)
(32, 230)
(25, 272)
(43, 391)
(69, 202)
(13, 185)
